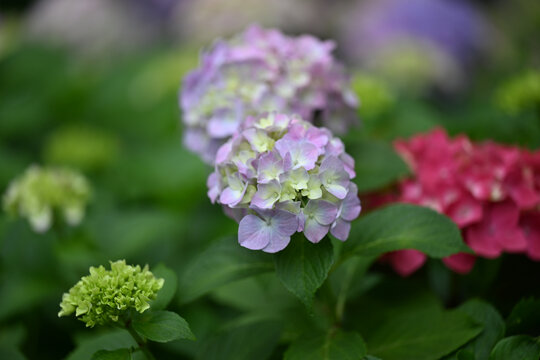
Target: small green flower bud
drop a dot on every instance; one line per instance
(40, 192)
(106, 296)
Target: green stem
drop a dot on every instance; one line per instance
(356, 269)
(140, 341)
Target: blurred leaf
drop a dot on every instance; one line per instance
(266, 294)
(120, 354)
(253, 341)
(9, 353)
(519, 347)
(494, 329)
(165, 171)
(525, 318)
(122, 234)
(12, 336)
(404, 226)
(303, 266)
(376, 164)
(13, 163)
(18, 294)
(162, 326)
(223, 262)
(424, 334)
(334, 345)
(166, 293)
(112, 340)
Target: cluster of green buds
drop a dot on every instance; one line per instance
(106, 297)
(40, 192)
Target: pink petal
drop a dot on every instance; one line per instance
(406, 262)
(479, 237)
(223, 152)
(314, 231)
(277, 243)
(222, 125)
(322, 211)
(231, 197)
(461, 263)
(266, 195)
(285, 223)
(465, 211)
(341, 229)
(350, 208)
(530, 225)
(213, 184)
(254, 233)
(269, 164)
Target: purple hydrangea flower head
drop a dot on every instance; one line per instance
(279, 175)
(263, 70)
(434, 39)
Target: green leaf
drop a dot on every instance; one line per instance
(405, 226)
(424, 334)
(11, 354)
(494, 329)
(120, 354)
(123, 233)
(525, 318)
(520, 347)
(111, 340)
(223, 262)
(334, 345)
(247, 342)
(162, 326)
(166, 293)
(302, 267)
(377, 165)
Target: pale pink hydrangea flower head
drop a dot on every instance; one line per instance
(279, 175)
(491, 191)
(263, 70)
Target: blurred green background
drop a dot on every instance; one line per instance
(98, 91)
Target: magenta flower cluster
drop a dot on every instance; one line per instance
(279, 175)
(263, 70)
(491, 191)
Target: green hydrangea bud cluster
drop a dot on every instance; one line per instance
(40, 192)
(104, 296)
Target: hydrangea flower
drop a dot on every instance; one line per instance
(263, 70)
(280, 175)
(491, 191)
(42, 191)
(105, 296)
(416, 43)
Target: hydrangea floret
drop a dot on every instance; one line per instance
(491, 191)
(105, 296)
(263, 70)
(41, 191)
(280, 175)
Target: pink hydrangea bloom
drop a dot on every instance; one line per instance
(279, 175)
(491, 191)
(263, 70)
